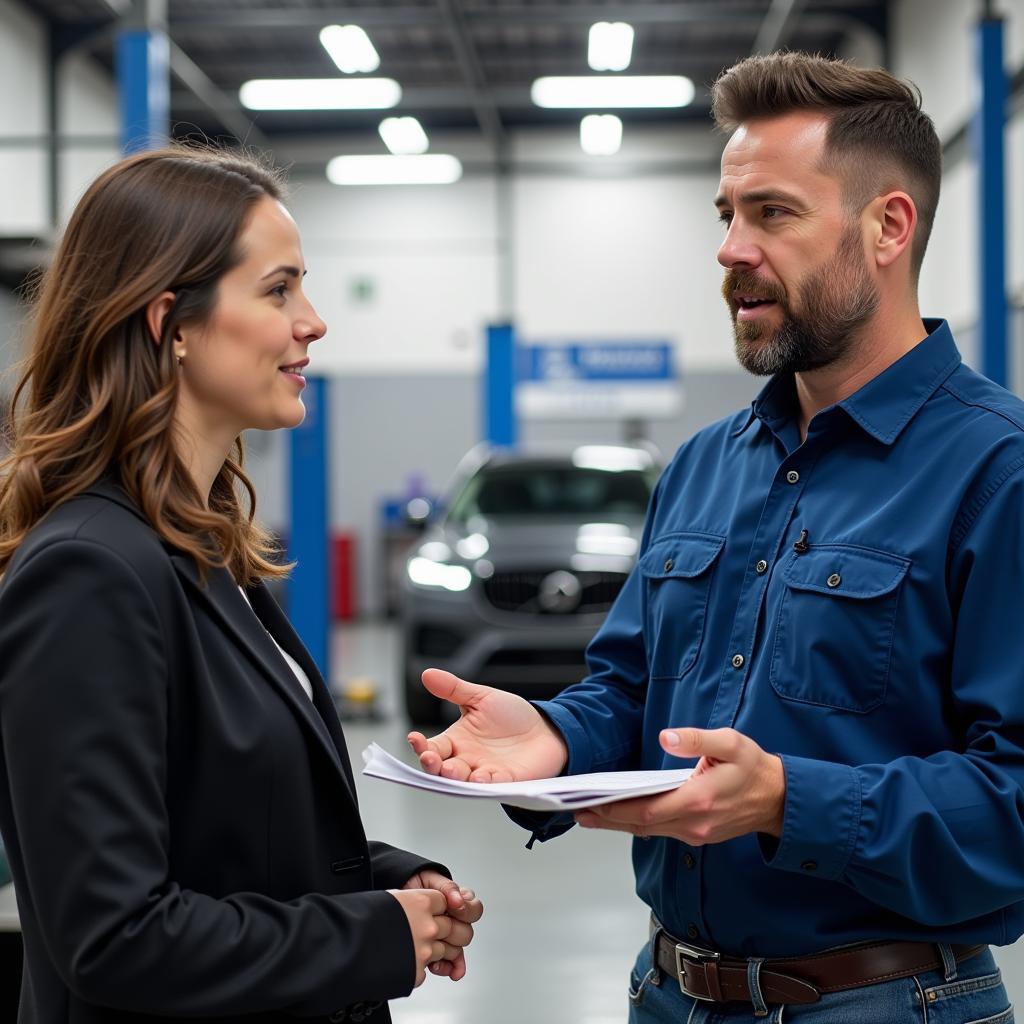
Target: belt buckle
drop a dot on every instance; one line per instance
(695, 955)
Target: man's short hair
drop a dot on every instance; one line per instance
(878, 137)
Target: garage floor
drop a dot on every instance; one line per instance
(562, 924)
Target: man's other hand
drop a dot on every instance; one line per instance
(737, 788)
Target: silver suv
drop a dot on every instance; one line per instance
(514, 574)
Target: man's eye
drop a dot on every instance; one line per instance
(725, 217)
(771, 212)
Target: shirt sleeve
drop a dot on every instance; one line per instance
(84, 696)
(938, 839)
(601, 717)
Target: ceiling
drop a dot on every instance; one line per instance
(462, 64)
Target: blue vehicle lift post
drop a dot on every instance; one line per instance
(989, 141)
(500, 426)
(308, 593)
(142, 61)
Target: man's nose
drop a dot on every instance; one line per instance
(738, 249)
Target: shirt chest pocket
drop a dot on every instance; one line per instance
(677, 572)
(835, 626)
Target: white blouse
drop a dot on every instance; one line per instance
(292, 663)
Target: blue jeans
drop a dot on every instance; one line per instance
(975, 996)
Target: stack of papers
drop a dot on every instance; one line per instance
(566, 793)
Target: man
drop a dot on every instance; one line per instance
(825, 612)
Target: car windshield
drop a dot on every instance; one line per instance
(547, 489)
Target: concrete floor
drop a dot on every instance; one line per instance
(562, 924)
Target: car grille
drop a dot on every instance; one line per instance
(545, 672)
(518, 591)
(436, 642)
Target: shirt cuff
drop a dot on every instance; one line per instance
(545, 825)
(577, 742)
(820, 821)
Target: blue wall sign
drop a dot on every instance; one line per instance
(576, 379)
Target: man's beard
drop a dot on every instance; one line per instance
(835, 302)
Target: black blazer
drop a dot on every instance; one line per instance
(181, 820)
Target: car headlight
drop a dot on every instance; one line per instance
(427, 572)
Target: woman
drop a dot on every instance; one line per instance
(176, 795)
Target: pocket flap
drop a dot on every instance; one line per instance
(681, 554)
(841, 570)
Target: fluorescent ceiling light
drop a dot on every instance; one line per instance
(610, 46)
(350, 48)
(320, 93)
(600, 134)
(613, 91)
(430, 169)
(403, 136)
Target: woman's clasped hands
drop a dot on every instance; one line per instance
(441, 915)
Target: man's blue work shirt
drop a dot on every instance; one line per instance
(882, 658)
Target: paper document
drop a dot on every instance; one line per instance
(567, 793)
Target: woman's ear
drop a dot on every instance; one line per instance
(156, 312)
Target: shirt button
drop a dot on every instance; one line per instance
(793, 476)
(834, 580)
(691, 931)
(668, 565)
(809, 865)
(761, 567)
(737, 661)
(689, 860)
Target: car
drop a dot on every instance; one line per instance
(518, 566)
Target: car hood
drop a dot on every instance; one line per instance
(607, 544)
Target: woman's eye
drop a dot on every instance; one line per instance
(279, 289)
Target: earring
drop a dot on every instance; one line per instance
(181, 359)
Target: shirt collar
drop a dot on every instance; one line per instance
(888, 402)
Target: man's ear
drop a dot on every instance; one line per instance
(156, 312)
(895, 221)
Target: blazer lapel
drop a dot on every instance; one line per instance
(278, 625)
(221, 596)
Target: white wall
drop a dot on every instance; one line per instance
(87, 98)
(22, 169)
(430, 256)
(933, 45)
(623, 248)
(87, 101)
(12, 316)
(623, 259)
(88, 106)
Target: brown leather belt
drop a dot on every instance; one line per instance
(710, 976)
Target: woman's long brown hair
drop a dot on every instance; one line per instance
(97, 396)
